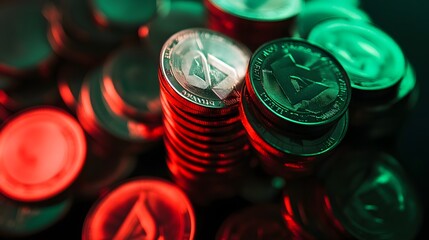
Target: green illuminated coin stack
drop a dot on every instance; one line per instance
(294, 105)
(383, 81)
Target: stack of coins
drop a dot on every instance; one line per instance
(253, 22)
(383, 83)
(26, 58)
(86, 31)
(359, 194)
(200, 75)
(294, 105)
(42, 151)
(143, 208)
(119, 102)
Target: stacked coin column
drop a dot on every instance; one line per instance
(294, 105)
(200, 75)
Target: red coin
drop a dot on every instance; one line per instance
(42, 151)
(145, 208)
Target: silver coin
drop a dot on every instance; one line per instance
(204, 67)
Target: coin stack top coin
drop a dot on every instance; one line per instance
(294, 104)
(200, 75)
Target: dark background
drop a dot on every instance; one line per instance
(408, 23)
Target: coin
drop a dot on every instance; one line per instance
(297, 83)
(126, 15)
(22, 219)
(264, 11)
(271, 19)
(318, 11)
(130, 84)
(373, 60)
(204, 67)
(42, 152)
(24, 47)
(142, 208)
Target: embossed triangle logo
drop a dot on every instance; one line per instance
(297, 82)
(139, 223)
(209, 73)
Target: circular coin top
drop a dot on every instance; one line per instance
(41, 153)
(144, 208)
(129, 13)
(204, 67)
(299, 82)
(372, 59)
(265, 10)
(130, 79)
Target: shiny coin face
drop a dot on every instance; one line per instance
(42, 151)
(142, 209)
(204, 67)
(260, 10)
(299, 82)
(371, 58)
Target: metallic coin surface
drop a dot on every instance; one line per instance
(130, 84)
(145, 208)
(294, 146)
(128, 14)
(42, 152)
(298, 82)
(204, 67)
(19, 219)
(260, 10)
(316, 12)
(372, 59)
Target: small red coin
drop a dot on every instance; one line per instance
(145, 208)
(42, 151)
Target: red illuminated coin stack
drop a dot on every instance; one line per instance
(200, 74)
(144, 208)
(119, 103)
(294, 106)
(253, 22)
(42, 151)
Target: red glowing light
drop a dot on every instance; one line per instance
(142, 209)
(41, 153)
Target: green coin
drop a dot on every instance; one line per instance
(260, 10)
(23, 43)
(295, 146)
(127, 14)
(372, 197)
(17, 219)
(132, 73)
(177, 16)
(354, 3)
(299, 83)
(371, 58)
(117, 126)
(319, 11)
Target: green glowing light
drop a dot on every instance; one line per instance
(260, 10)
(372, 59)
